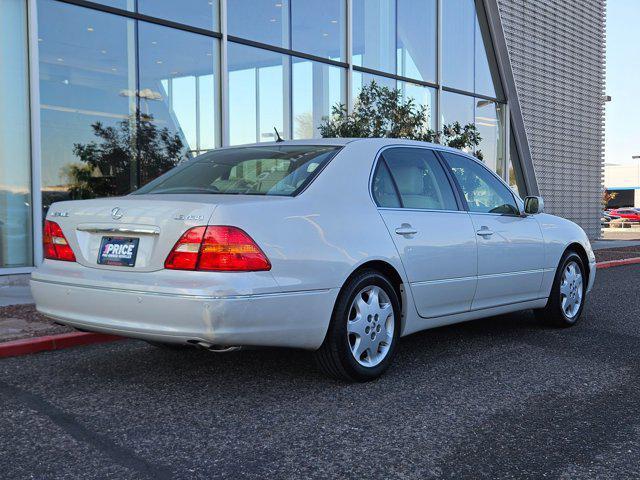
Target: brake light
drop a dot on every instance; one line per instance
(217, 248)
(55, 245)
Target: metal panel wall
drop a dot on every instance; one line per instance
(557, 52)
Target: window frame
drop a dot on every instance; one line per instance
(460, 203)
(491, 172)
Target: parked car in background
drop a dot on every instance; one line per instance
(606, 217)
(339, 246)
(632, 214)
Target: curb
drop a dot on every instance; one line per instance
(618, 263)
(52, 342)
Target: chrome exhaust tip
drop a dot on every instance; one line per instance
(212, 347)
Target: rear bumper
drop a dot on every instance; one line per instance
(290, 319)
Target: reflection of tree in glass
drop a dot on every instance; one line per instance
(304, 125)
(109, 164)
(383, 112)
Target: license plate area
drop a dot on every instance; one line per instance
(118, 251)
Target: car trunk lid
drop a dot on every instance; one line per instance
(153, 223)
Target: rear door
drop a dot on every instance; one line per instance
(510, 246)
(433, 235)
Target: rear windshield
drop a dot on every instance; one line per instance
(269, 170)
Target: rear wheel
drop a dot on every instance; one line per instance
(568, 294)
(364, 329)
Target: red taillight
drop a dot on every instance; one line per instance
(217, 248)
(56, 246)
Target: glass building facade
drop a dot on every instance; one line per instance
(108, 95)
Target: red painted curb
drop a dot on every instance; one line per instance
(618, 263)
(52, 342)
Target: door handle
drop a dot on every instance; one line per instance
(406, 230)
(484, 232)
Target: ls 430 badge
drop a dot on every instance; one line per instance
(188, 217)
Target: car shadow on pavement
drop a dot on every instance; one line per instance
(266, 365)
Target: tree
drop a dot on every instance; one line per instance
(383, 112)
(107, 165)
(608, 197)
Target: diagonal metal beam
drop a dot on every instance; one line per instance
(509, 86)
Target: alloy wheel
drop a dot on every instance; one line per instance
(571, 290)
(370, 326)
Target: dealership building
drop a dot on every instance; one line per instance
(99, 97)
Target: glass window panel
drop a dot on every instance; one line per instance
(178, 95)
(272, 170)
(456, 108)
(360, 79)
(256, 94)
(458, 43)
(417, 39)
(87, 95)
(15, 155)
(374, 34)
(516, 178)
(489, 120)
(316, 88)
(265, 21)
(384, 191)
(129, 5)
(421, 181)
(424, 96)
(484, 79)
(482, 190)
(197, 13)
(318, 28)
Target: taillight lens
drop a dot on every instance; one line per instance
(217, 248)
(55, 245)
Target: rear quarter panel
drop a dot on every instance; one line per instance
(317, 239)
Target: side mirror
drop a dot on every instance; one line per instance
(533, 205)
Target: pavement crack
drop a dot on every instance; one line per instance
(67, 422)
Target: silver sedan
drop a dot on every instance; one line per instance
(337, 246)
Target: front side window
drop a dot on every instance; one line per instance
(482, 190)
(268, 170)
(421, 181)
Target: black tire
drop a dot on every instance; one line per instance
(553, 314)
(334, 357)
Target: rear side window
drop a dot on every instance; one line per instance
(482, 190)
(267, 170)
(384, 192)
(419, 179)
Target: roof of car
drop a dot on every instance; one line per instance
(345, 141)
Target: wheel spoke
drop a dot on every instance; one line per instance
(374, 300)
(361, 306)
(357, 325)
(362, 344)
(565, 289)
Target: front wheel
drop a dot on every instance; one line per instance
(364, 329)
(568, 294)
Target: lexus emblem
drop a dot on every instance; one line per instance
(116, 213)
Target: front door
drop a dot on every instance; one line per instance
(433, 235)
(510, 246)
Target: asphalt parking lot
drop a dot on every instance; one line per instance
(499, 398)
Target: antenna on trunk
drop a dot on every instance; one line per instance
(278, 137)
